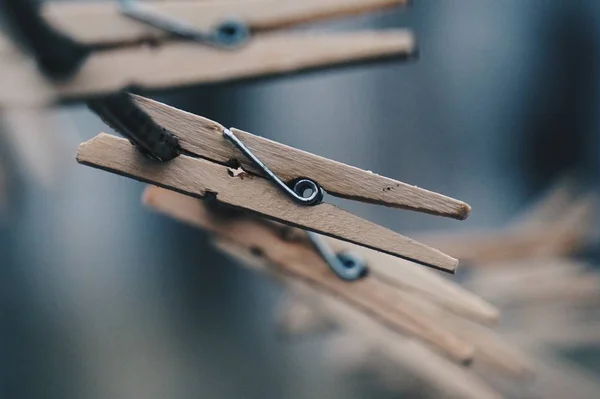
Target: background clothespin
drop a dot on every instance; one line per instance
(558, 224)
(94, 59)
(418, 299)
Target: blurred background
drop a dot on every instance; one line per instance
(101, 298)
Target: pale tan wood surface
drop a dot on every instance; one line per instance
(204, 137)
(383, 302)
(307, 314)
(582, 288)
(394, 271)
(571, 229)
(427, 285)
(101, 22)
(298, 314)
(201, 178)
(549, 207)
(367, 343)
(490, 349)
(539, 280)
(182, 64)
(489, 346)
(447, 378)
(424, 283)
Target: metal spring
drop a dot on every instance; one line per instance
(228, 34)
(347, 266)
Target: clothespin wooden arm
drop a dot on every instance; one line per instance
(88, 22)
(204, 138)
(567, 231)
(202, 178)
(381, 301)
(182, 64)
(422, 283)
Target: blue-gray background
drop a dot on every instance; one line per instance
(101, 298)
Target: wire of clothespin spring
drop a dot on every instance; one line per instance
(228, 34)
(120, 112)
(59, 56)
(346, 265)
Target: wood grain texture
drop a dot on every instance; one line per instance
(88, 22)
(181, 64)
(204, 138)
(201, 178)
(380, 301)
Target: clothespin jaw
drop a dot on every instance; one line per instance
(101, 47)
(205, 172)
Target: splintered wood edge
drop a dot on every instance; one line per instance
(204, 137)
(88, 22)
(200, 178)
(301, 262)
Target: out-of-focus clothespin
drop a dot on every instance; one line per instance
(287, 252)
(558, 224)
(423, 306)
(90, 49)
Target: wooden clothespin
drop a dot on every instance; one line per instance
(206, 168)
(410, 300)
(90, 49)
(287, 252)
(558, 224)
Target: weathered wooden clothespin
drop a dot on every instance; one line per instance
(241, 171)
(90, 49)
(275, 181)
(287, 252)
(559, 224)
(396, 297)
